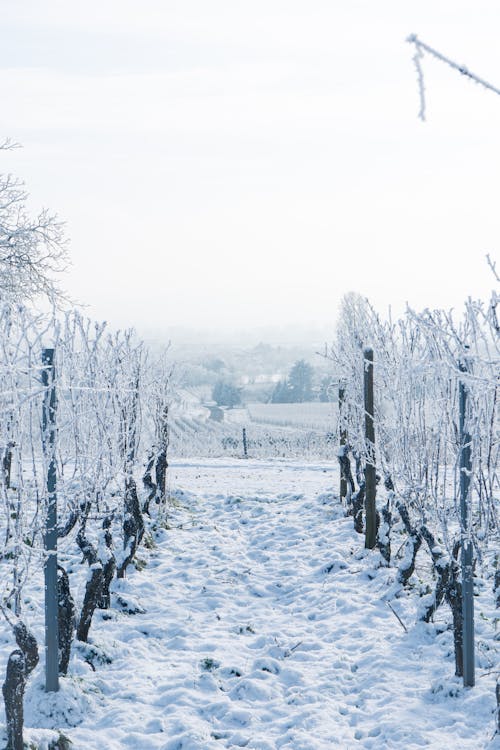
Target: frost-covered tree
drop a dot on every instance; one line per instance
(226, 394)
(281, 393)
(297, 387)
(300, 381)
(32, 248)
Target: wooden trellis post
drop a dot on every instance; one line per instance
(370, 473)
(467, 548)
(50, 532)
(343, 437)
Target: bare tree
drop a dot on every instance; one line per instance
(33, 250)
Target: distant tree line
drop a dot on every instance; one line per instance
(298, 387)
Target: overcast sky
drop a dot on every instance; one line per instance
(226, 163)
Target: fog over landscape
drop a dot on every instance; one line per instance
(231, 165)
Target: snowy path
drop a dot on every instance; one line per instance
(265, 627)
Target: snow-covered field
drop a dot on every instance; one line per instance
(277, 430)
(264, 624)
(313, 415)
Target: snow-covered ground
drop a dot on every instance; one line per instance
(264, 624)
(314, 415)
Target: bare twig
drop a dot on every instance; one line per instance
(397, 616)
(420, 48)
(493, 267)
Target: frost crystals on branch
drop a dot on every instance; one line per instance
(420, 75)
(420, 47)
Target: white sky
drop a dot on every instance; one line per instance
(226, 163)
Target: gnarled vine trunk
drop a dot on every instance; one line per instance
(133, 526)
(22, 662)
